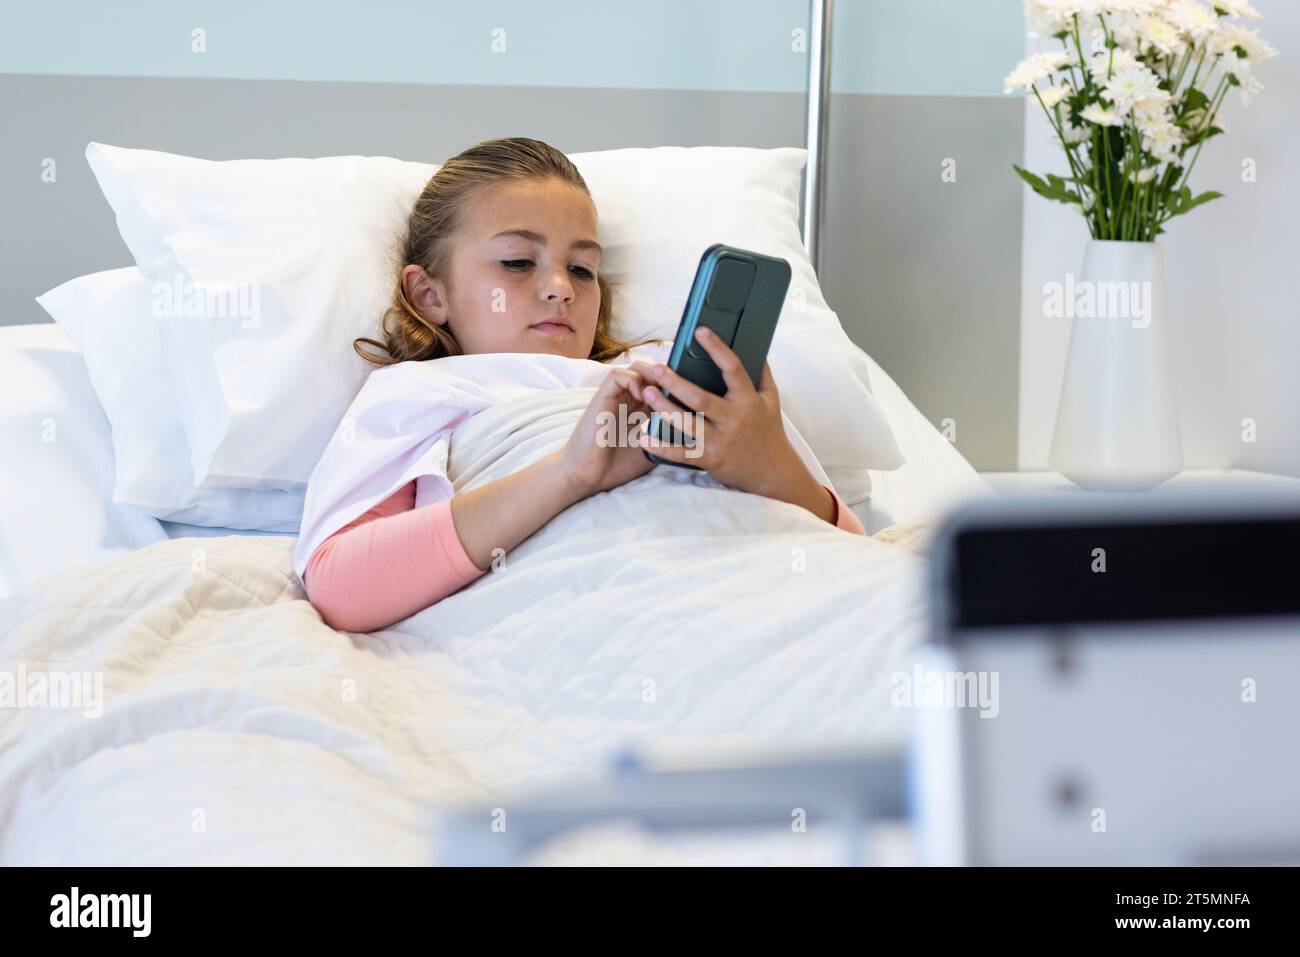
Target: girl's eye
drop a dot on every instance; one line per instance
(518, 265)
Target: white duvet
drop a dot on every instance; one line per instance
(237, 728)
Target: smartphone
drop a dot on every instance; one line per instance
(738, 294)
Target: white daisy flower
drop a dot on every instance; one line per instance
(1054, 95)
(1143, 176)
(1249, 84)
(1050, 17)
(1238, 8)
(1074, 135)
(1104, 64)
(1099, 115)
(1036, 68)
(1125, 35)
(1193, 19)
(1129, 87)
(1162, 140)
(1161, 34)
(1239, 66)
(1231, 37)
(1152, 111)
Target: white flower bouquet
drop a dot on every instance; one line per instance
(1133, 95)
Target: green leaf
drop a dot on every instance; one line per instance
(1060, 191)
(1202, 135)
(1195, 100)
(1052, 188)
(1199, 200)
(1182, 202)
(1035, 182)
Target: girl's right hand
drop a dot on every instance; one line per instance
(603, 452)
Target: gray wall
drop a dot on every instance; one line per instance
(925, 274)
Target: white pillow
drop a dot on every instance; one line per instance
(935, 477)
(109, 318)
(298, 258)
(660, 209)
(57, 472)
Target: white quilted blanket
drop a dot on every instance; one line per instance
(237, 728)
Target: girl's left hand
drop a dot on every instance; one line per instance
(599, 456)
(739, 437)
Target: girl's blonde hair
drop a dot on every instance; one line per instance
(434, 221)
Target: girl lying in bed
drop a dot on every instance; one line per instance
(501, 259)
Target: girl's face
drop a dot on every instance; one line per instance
(523, 272)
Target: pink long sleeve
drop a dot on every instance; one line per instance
(388, 564)
(396, 560)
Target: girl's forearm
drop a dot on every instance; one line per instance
(504, 513)
(790, 481)
(808, 493)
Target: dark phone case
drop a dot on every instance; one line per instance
(739, 295)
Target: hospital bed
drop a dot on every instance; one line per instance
(511, 724)
(237, 728)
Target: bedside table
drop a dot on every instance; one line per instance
(1048, 481)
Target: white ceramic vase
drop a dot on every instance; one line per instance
(1117, 422)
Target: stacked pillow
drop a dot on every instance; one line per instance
(255, 276)
(109, 318)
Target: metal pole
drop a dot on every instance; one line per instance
(818, 119)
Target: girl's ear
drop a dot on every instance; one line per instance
(426, 294)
